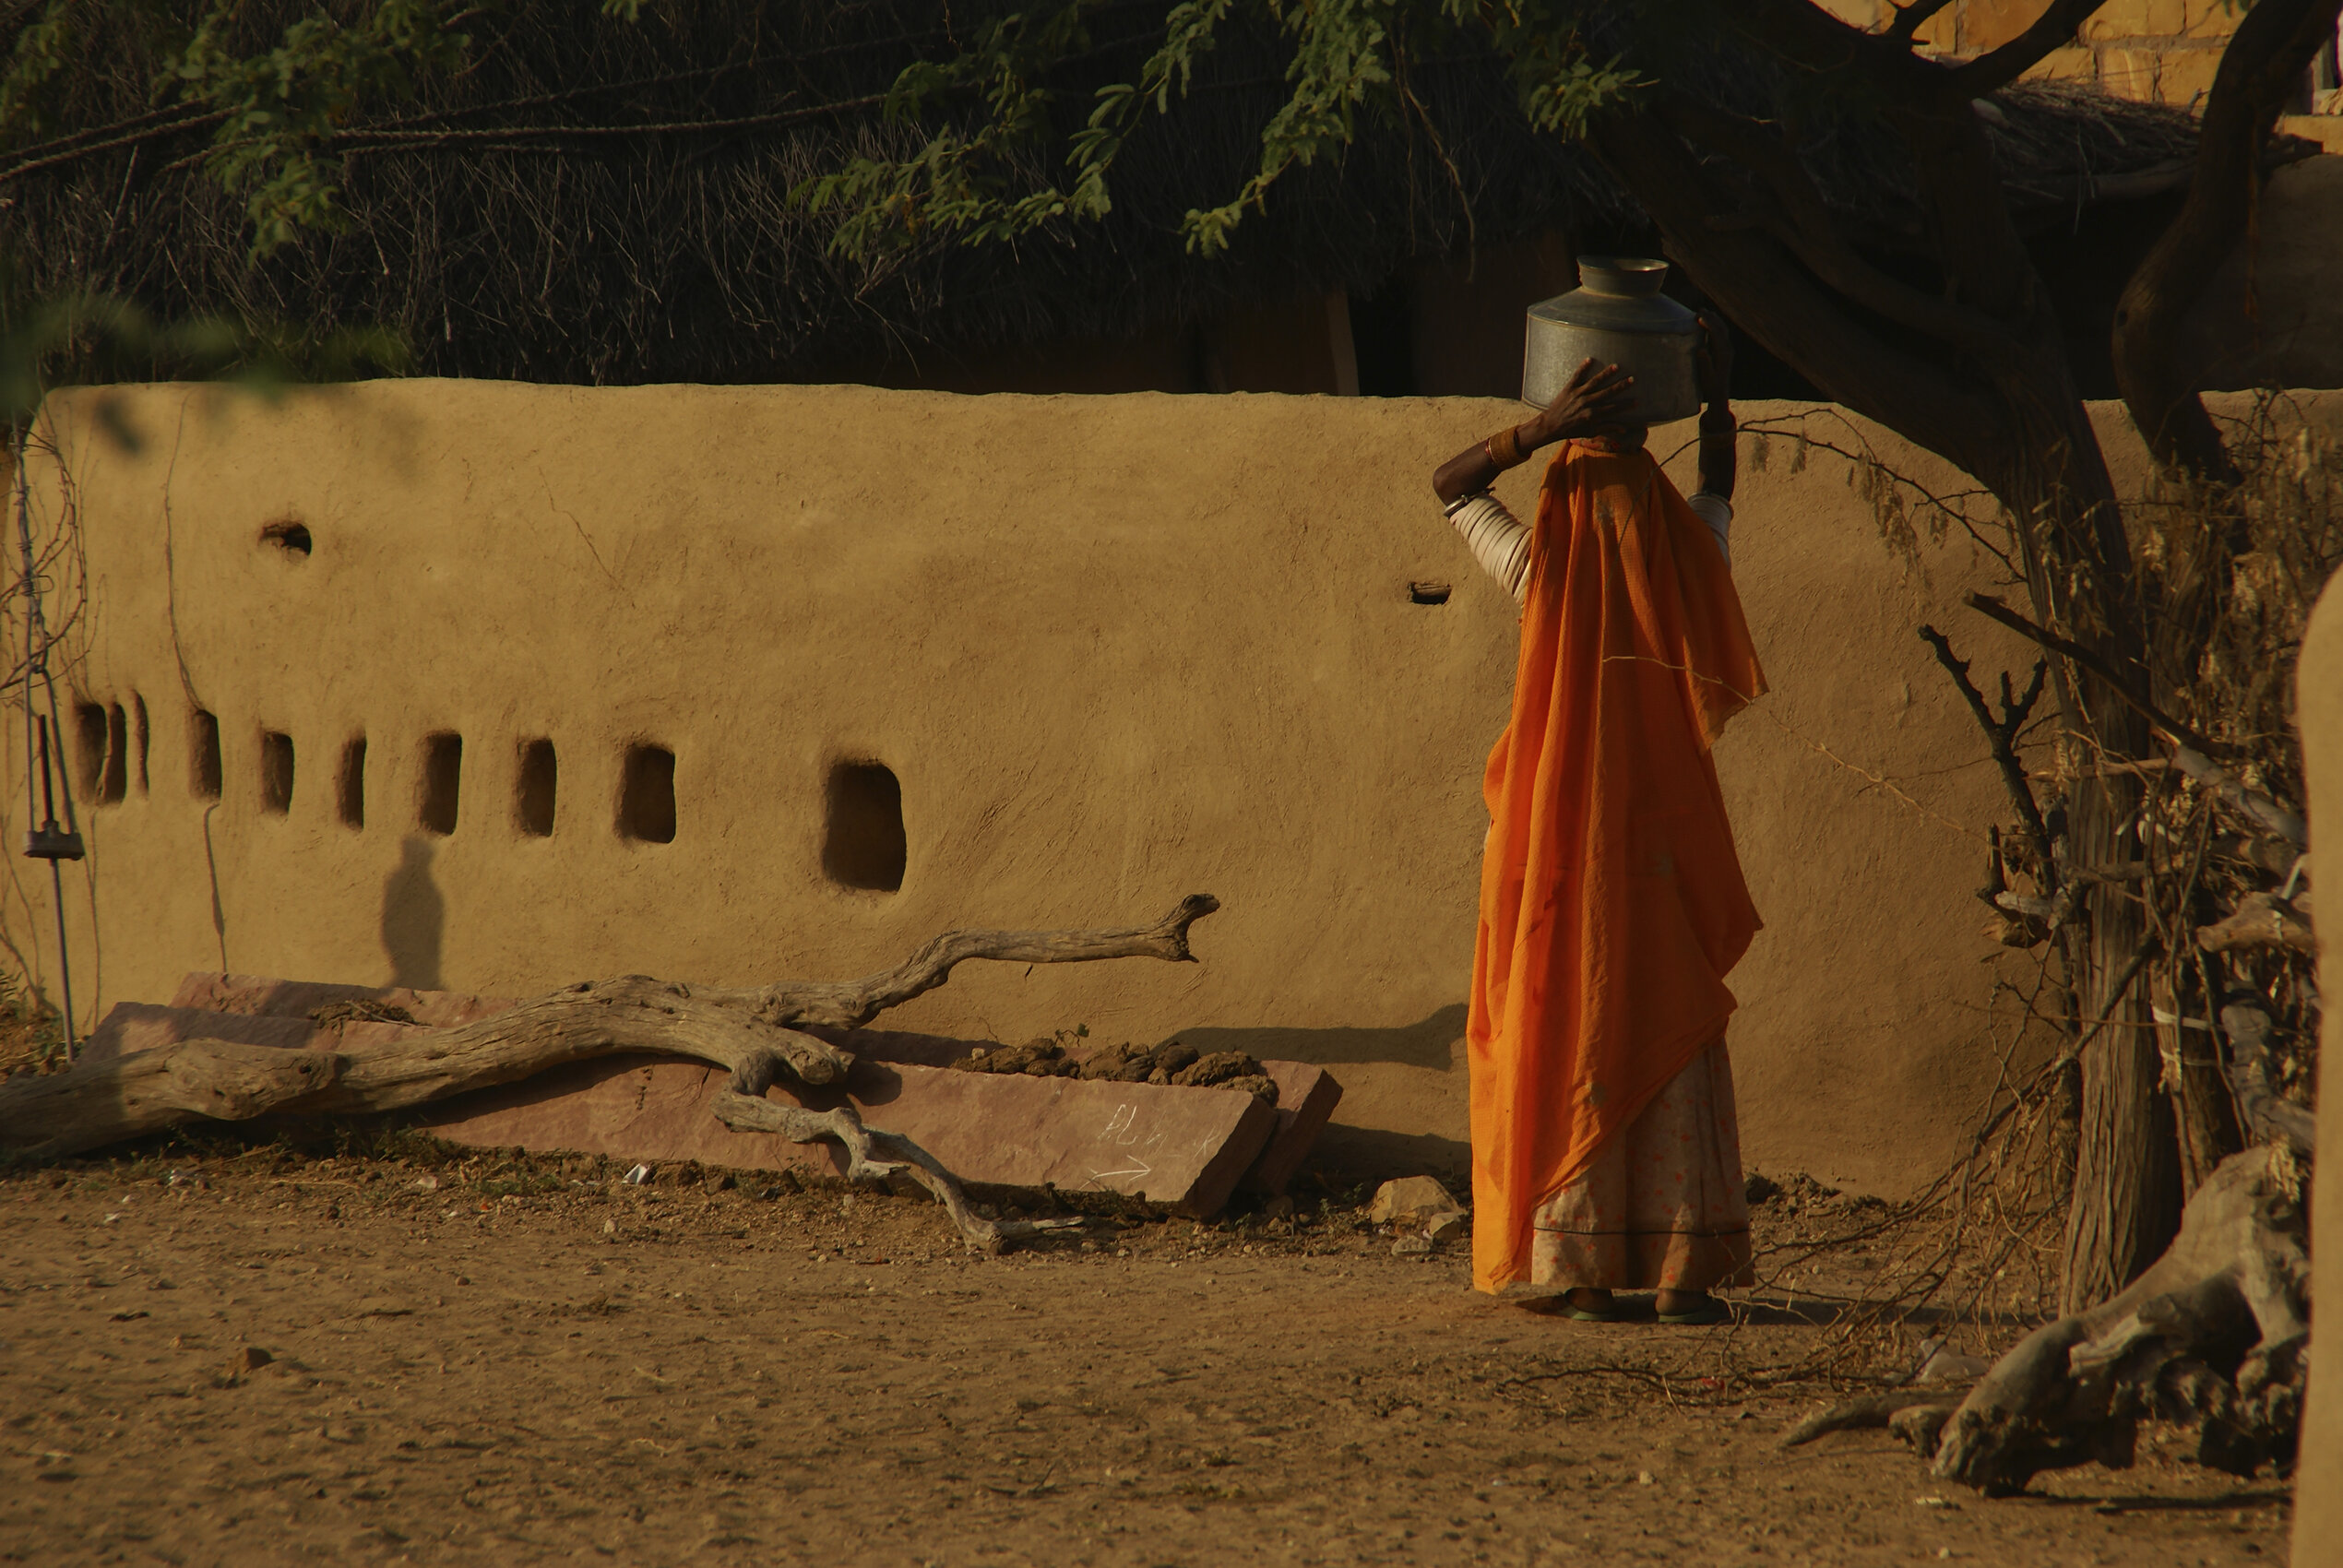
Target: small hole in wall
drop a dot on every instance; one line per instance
(90, 749)
(533, 796)
(864, 846)
(145, 738)
(350, 783)
(116, 783)
(1428, 593)
(442, 782)
(290, 535)
(647, 796)
(275, 772)
(203, 756)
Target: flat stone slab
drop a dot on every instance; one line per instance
(1184, 1148)
(1306, 1098)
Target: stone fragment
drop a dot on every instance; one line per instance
(1306, 1098)
(1413, 1200)
(252, 1358)
(1411, 1246)
(1446, 1228)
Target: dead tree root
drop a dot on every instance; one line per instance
(2214, 1335)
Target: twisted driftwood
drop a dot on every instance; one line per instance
(2214, 1334)
(96, 1103)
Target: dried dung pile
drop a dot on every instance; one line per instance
(1171, 1062)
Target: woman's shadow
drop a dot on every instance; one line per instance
(414, 917)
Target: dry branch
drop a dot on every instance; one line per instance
(100, 1102)
(2263, 919)
(850, 1005)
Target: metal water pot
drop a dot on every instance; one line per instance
(1616, 315)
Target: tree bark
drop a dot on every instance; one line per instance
(2126, 1201)
(2264, 57)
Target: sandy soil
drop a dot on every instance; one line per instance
(521, 1362)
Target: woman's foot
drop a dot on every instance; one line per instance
(1689, 1306)
(1586, 1304)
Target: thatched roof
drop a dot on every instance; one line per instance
(596, 201)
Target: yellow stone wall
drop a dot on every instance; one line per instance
(2157, 50)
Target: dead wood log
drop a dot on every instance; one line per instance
(2248, 1021)
(96, 1103)
(2261, 920)
(2213, 1334)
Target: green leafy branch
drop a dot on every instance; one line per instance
(1338, 65)
(955, 184)
(43, 49)
(282, 104)
(1344, 51)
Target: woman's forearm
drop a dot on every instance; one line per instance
(1477, 467)
(1719, 459)
(1595, 396)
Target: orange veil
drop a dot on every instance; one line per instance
(1611, 900)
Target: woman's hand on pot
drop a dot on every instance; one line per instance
(1596, 398)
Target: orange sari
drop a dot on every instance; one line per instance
(1611, 900)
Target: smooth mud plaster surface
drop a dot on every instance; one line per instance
(1112, 649)
(2318, 1532)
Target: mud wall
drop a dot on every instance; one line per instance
(514, 685)
(2318, 1485)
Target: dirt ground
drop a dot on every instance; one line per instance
(470, 1359)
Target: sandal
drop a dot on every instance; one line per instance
(1577, 1313)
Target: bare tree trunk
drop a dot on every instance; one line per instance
(2125, 1207)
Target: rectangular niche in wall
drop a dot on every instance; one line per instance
(647, 796)
(99, 752)
(116, 783)
(533, 792)
(203, 758)
(145, 738)
(442, 781)
(350, 784)
(863, 845)
(275, 772)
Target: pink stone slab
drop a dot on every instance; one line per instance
(262, 996)
(1306, 1098)
(652, 1110)
(1181, 1147)
(135, 1025)
(1185, 1149)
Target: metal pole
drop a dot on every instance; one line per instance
(58, 883)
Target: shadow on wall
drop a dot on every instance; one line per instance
(1428, 1044)
(415, 918)
(1395, 1078)
(1344, 1153)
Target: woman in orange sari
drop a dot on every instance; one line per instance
(1605, 1150)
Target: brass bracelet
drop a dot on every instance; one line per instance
(1503, 449)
